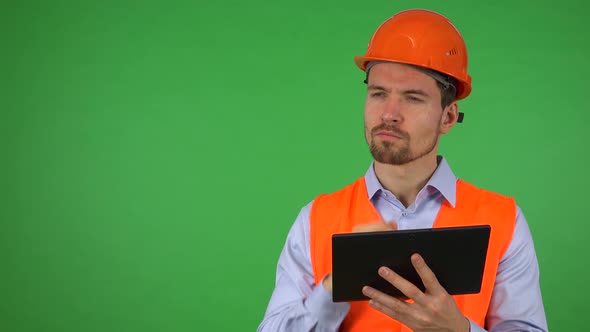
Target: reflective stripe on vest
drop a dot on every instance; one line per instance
(343, 210)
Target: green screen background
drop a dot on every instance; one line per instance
(155, 154)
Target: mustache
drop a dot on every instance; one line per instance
(386, 127)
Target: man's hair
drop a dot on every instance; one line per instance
(448, 93)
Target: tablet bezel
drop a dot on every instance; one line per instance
(456, 255)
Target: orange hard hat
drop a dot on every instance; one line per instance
(422, 38)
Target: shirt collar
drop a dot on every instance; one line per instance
(443, 180)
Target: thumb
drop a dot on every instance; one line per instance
(376, 227)
(392, 224)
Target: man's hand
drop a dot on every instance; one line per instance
(433, 310)
(376, 227)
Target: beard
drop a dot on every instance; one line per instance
(398, 152)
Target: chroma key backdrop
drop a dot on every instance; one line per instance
(156, 153)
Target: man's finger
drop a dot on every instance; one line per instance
(407, 288)
(385, 303)
(384, 309)
(428, 277)
(376, 227)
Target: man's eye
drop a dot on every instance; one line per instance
(414, 99)
(377, 94)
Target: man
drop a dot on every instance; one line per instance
(416, 70)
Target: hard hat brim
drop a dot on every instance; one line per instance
(463, 90)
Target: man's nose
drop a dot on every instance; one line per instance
(392, 112)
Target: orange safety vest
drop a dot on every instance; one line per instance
(349, 207)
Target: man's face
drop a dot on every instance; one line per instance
(403, 114)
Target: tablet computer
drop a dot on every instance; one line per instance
(456, 255)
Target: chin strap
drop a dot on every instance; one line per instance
(461, 116)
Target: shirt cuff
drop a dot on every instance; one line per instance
(474, 327)
(329, 314)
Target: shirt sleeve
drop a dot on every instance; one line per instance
(296, 304)
(516, 303)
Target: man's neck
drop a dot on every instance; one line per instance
(405, 181)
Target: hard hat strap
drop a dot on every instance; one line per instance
(445, 80)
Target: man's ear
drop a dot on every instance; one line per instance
(449, 118)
